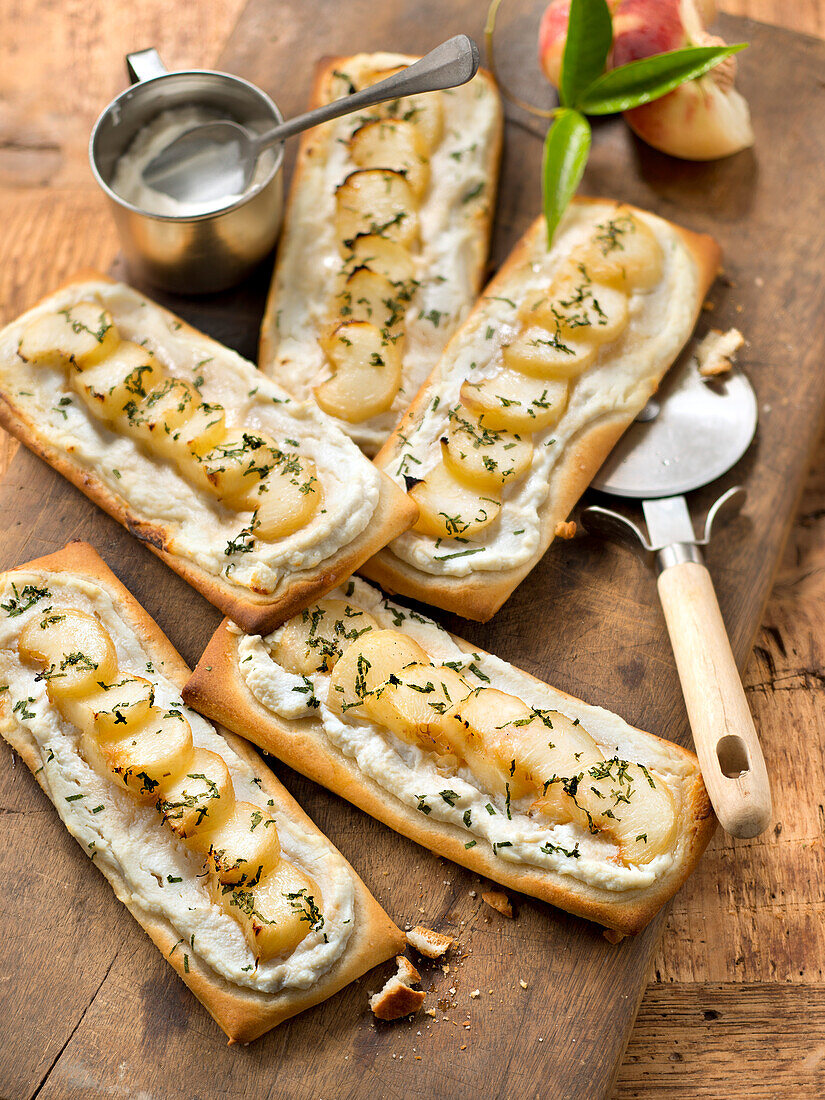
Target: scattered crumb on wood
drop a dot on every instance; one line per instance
(522, 983)
(431, 944)
(499, 901)
(565, 530)
(717, 350)
(612, 936)
(397, 999)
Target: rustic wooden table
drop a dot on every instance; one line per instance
(736, 1006)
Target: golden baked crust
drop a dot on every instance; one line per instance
(310, 143)
(217, 688)
(244, 1014)
(479, 595)
(256, 612)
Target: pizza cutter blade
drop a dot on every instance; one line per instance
(691, 433)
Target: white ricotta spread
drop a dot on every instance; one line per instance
(150, 141)
(448, 263)
(409, 774)
(195, 524)
(619, 383)
(160, 875)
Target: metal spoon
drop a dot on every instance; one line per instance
(217, 159)
(691, 434)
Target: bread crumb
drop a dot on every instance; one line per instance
(612, 936)
(431, 944)
(499, 901)
(397, 999)
(429, 1012)
(716, 352)
(475, 993)
(464, 1047)
(522, 983)
(565, 530)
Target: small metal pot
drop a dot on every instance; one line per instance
(206, 252)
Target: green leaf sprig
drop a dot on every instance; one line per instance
(586, 89)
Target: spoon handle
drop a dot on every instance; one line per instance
(724, 734)
(452, 63)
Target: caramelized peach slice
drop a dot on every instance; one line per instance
(237, 464)
(384, 256)
(471, 726)
(203, 430)
(243, 847)
(368, 296)
(74, 649)
(624, 248)
(314, 640)
(424, 110)
(375, 200)
(278, 912)
(287, 498)
(515, 749)
(393, 143)
(157, 420)
(200, 798)
(512, 401)
(543, 354)
(413, 701)
(367, 374)
(83, 334)
(367, 664)
(632, 806)
(484, 457)
(121, 706)
(152, 754)
(113, 386)
(584, 309)
(450, 507)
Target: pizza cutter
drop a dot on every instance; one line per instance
(691, 433)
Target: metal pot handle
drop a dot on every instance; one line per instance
(143, 65)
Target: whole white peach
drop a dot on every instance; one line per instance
(702, 119)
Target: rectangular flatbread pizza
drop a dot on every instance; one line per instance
(255, 499)
(253, 907)
(384, 244)
(466, 754)
(560, 354)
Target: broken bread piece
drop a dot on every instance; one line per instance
(384, 244)
(716, 352)
(398, 998)
(557, 358)
(256, 500)
(429, 943)
(499, 901)
(246, 899)
(466, 754)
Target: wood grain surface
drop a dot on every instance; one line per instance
(740, 965)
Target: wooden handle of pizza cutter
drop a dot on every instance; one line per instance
(723, 731)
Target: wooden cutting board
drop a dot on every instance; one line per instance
(85, 992)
